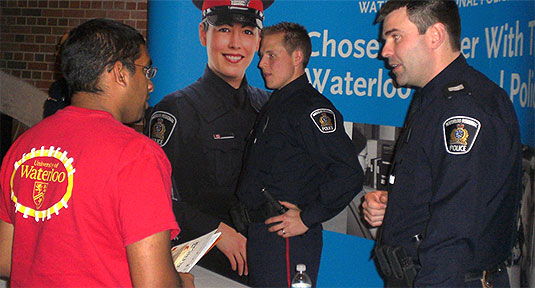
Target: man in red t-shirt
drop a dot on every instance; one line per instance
(84, 199)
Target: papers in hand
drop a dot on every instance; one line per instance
(186, 255)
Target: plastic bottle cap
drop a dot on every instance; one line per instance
(301, 267)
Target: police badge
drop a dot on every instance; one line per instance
(460, 133)
(244, 3)
(161, 126)
(158, 129)
(324, 119)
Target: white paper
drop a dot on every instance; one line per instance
(186, 255)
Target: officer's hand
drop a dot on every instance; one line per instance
(186, 280)
(290, 222)
(374, 207)
(233, 244)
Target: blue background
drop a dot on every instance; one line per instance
(176, 51)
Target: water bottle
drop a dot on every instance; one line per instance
(301, 279)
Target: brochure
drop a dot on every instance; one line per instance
(186, 255)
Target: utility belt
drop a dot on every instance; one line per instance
(396, 266)
(399, 269)
(486, 277)
(241, 216)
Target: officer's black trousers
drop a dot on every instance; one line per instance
(266, 255)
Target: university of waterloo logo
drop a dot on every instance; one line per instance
(34, 175)
(39, 190)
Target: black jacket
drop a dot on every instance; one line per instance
(203, 130)
(301, 153)
(456, 177)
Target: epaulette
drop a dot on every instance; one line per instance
(456, 88)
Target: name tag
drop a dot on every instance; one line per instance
(223, 136)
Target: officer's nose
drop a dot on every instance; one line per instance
(387, 50)
(235, 39)
(262, 62)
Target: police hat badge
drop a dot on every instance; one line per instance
(247, 12)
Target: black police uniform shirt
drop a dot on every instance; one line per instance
(203, 130)
(456, 177)
(300, 153)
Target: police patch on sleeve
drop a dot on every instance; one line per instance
(161, 127)
(460, 133)
(324, 119)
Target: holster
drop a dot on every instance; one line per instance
(240, 217)
(396, 266)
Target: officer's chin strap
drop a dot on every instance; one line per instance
(288, 262)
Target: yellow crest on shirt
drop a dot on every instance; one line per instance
(39, 190)
(459, 135)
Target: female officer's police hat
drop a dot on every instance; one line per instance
(247, 12)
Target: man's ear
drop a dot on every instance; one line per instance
(297, 57)
(436, 35)
(119, 74)
(202, 34)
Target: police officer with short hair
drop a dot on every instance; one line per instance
(203, 129)
(456, 176)
(299, 154)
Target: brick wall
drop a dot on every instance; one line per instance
(29, 31)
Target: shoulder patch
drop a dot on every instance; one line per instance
(161, 126)
(324, 119)
(460, 133)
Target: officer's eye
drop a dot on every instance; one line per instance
(223, 29)
(248, 32)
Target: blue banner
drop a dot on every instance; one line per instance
(344, 65)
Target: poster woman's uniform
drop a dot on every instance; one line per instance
(203, 130)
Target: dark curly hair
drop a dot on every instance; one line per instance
(94, 47)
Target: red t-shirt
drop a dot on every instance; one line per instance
(79, 187)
